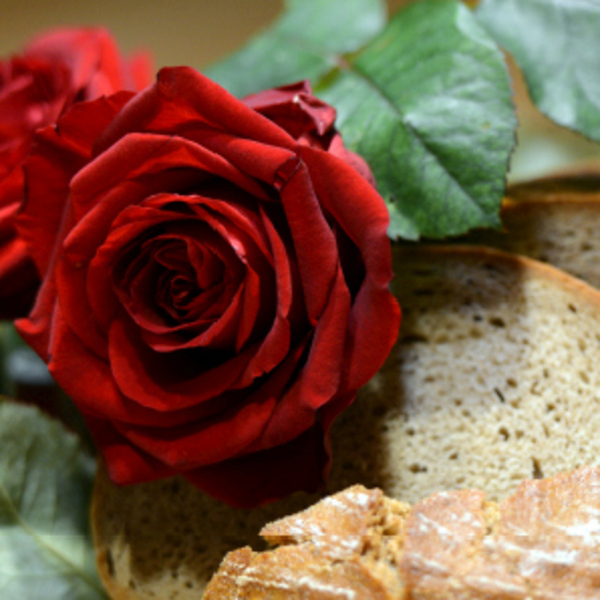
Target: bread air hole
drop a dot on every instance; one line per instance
(424, 292)
(537, 472)
(492, 268)
(414, 339)
(416, 468)
(423, 272)
(497, 322)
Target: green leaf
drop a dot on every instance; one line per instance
(428, 104)
(555, 43)
(304, 43)
(45, 489)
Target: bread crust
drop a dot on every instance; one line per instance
(554, 220)
(542, 542)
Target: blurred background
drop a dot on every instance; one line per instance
(198, 32)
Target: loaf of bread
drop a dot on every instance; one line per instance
(541, 542)
(494, 380)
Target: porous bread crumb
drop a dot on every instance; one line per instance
(165, 539)
(494, 379)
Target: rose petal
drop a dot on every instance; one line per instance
(277, 341)
(56, 155)
(239, 318)
(125, 464)
(131, 224)
(269, 475)
(356, 206)
(196, 98)
(71, 282)
(375, 316)
(96, 391)
(223, 436)
(319, 379)
(314, 243)
(135, 220)
(141, 68)
(357, 162)
(258, 160)
(296, 110)
(137, 289)
(36, 328)
(112, 182)
(57, 47)
(169, 382)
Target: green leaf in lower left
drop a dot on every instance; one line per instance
(46, 480)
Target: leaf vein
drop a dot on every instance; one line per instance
(401, 117)
(18, 520)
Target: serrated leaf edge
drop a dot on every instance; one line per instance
(352, 68)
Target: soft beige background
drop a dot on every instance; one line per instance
(193, 32)
(197, 32)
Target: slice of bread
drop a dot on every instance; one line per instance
(493, 381)
(555, 220)
(543, 541)
(166, 538)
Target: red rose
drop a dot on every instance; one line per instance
(218, 287)
(36, 87)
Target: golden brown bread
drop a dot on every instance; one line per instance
(338, 548)
(542, 542)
